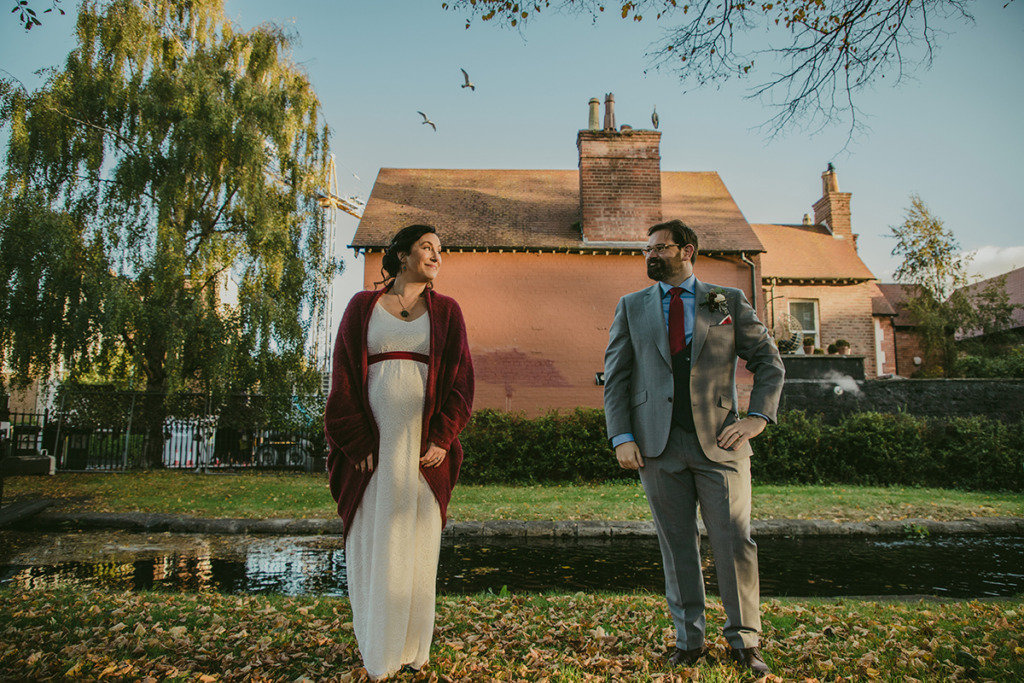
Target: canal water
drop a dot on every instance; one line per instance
(944, 566)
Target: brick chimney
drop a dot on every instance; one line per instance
(620, 181)
(833, 209)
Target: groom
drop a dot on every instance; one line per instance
(670, 406)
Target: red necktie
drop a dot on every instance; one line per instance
(676, 321)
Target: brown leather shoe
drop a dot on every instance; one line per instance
(686, 657)
(750, 659)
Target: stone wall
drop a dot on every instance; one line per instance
(996, 398)
(823, 368)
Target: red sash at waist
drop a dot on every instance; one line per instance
(398, 355)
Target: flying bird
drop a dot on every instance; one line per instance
(468, 83)
(654, 117)
(427, 121)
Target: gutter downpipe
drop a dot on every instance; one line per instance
(753, 280)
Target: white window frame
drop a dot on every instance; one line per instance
(817, 320)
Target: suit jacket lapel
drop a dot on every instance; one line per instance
(701, 320)
(654, 321)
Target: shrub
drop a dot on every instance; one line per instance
(510, 448)
(976, 453)
(1007, 364)
(795, 451)
(864, 448)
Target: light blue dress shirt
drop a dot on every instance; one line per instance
(690, 310)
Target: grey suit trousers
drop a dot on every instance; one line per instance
(675, 482)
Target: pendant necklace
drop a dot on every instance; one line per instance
(405, 312)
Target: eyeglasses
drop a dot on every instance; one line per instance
(657, 249)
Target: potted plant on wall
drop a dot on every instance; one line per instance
(809, 345)
(843, 347)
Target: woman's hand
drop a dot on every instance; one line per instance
(365, 465)
(433, 456)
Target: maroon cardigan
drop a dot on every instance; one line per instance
(348, 421)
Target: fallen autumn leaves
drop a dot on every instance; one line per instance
(212, 637)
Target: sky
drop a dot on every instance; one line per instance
(950, 133)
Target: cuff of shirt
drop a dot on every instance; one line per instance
(763, 417)
(621, 439)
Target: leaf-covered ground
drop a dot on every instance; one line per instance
(96, 635)
(266, 494)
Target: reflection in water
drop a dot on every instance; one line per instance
(293, 566)
(983, 566)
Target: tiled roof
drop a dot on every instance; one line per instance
(533, 208)
(881, 306)
(897, 295)
(808, 252)
(1014, 292)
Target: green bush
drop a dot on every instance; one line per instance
(890, 449)
(977, 453)
(510, 448)
(798, 433)
(1009, 363)
(879, 449)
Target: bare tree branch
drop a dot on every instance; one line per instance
(820, 53)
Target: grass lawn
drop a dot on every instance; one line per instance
(69, 633)
(264, 495)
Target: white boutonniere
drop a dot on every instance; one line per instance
(715, 301)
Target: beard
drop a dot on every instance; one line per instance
(657, 269)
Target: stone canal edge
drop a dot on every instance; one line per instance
(591, 529)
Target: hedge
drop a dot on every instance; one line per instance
(1008, 363)
(881, 449)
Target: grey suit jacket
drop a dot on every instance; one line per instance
(638, 370)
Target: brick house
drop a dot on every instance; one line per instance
(538, 259)
(910, 355)
(813, 272)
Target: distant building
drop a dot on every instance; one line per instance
(1014, 285)
(910, 355)
(813, 272)
(538, 260)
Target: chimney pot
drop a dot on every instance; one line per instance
(609, 112)
(808, 220)
(829, 181)
(594, 122)
(625, 128)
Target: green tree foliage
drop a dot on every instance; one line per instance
(27, 15)
(172, 154)
(934, 270)
(810, 58)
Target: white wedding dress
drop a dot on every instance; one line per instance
(392, 550)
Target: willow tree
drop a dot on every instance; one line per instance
(171, 155)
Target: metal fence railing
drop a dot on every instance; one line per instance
(184, 443)
(26, 432)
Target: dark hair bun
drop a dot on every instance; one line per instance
(402, 243)
(391, 264)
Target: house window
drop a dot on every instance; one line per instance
(806, 312)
